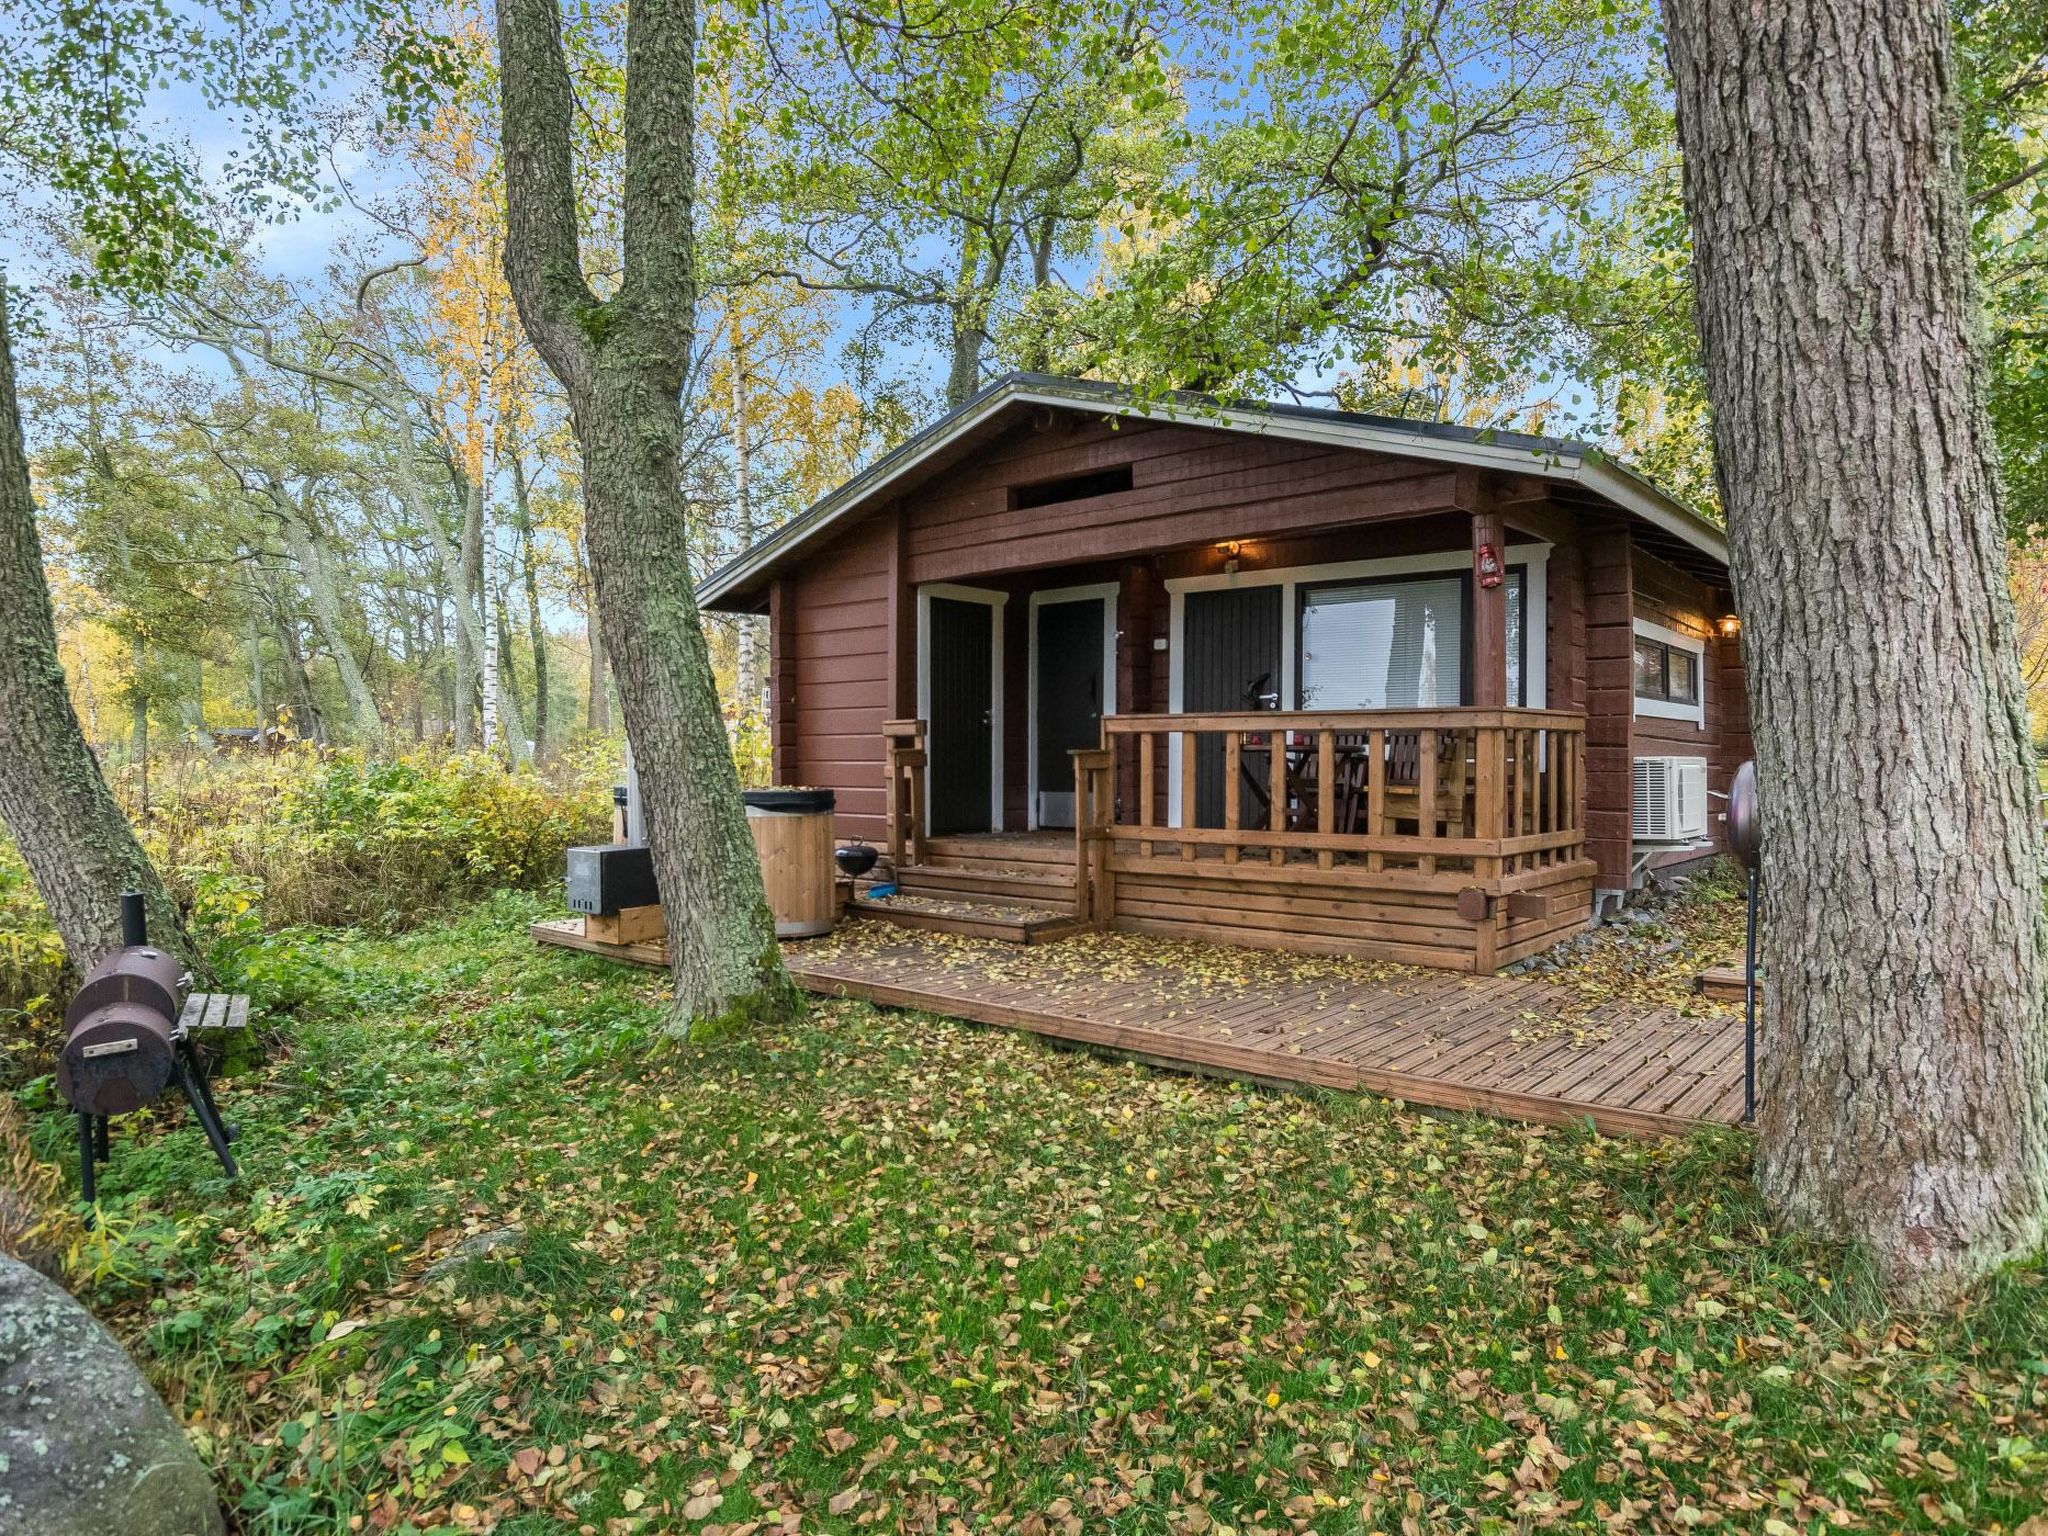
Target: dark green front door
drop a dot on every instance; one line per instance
(960, 767)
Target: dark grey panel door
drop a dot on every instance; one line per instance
(962, 703)
(1070, 690)
(1231, 662)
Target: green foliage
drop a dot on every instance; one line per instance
(34, 974)
(867, 1268)
(336, 839)
(1396, 186)
(82, 80)
(258, 849)
(2003, 51)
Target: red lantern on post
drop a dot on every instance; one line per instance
(1486, 566)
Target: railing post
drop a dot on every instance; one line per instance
(1147, 765)
(903, 762)
(1326, 794)
(1094, 792)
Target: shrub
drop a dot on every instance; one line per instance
(252, 846)
(339, 841)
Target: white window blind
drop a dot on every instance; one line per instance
(1384, 645)
(1516, 645)
(1396, 644)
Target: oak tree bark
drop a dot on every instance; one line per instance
(1904, 1061)
(622, 362)
(72, 834)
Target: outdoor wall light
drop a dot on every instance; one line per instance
(1730, 626)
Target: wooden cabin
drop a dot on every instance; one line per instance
(1275, 676)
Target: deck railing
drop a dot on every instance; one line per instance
(1458, 797)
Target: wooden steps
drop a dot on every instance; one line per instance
(1007, 923)
(1726, 983)
(1031, 872)
(1024, 887)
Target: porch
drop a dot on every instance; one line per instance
(1519, 1047)
(1451, 837)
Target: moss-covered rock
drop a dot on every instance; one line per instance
(86, 1446)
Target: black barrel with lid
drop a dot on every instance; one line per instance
(119, 1052)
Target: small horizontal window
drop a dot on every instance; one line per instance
(1103, 482)
(1667, 674)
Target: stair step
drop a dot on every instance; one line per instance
(1009, 887)
(981, 920)
(1000, 852)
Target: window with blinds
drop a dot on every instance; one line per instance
(1396, 644)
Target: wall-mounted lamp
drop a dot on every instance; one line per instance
(1230, 549)
(1730, 626)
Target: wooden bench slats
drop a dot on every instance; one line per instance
(214, 1010)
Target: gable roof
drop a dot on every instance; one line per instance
(1681, 529)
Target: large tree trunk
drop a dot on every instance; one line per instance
(53, 798)
(622, 362)
(1905, 1068)
(597, 706)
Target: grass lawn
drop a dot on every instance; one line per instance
(885, 1271)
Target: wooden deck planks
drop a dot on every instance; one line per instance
(1511, 1046)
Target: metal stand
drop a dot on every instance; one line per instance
(1749, 1008)
(90, 1138)
(192, 1074)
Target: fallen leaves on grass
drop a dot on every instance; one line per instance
(877, 1271)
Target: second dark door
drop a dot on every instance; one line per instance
(962, 704)
(1231, 662)
(1070, 697)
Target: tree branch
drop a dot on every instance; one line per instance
(543, 262)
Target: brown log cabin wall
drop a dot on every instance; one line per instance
(1681, 603)
(831, 681)
(1189, 486)
(843, 621)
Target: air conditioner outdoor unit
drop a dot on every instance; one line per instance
(1671, 800)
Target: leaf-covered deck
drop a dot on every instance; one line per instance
(1517, 1046)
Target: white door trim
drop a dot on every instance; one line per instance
(1105, 592)
(994, 601)
(1535, 622)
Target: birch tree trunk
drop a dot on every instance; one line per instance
(622, 362)
(487, 547)
(72, 834)
(1904, 1064)
(535, 619)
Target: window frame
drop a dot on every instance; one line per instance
(1305, 591)
(1666, 708)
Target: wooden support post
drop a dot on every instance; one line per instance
(1188, 749)
(1425, 797)
(1376, 797)
(1489, 617)
(1326, 793)
(1233, 790)
(1147, 763)
(1276, 781)
(1491, 809)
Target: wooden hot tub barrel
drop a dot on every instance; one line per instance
(793, 834)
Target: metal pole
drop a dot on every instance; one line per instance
(134, 920)
(1749, 1009)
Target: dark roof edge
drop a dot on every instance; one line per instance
(1549, 458)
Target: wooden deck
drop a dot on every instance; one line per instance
(1518, 1047)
